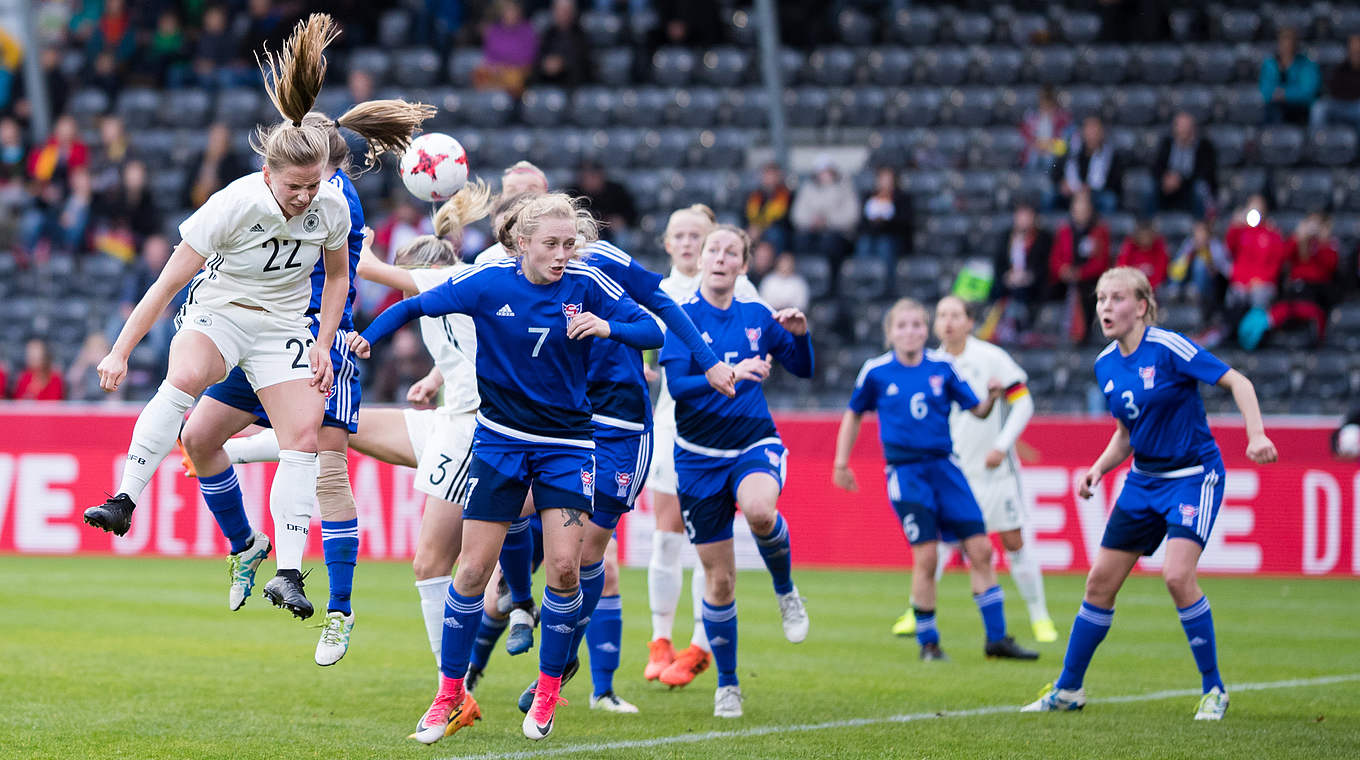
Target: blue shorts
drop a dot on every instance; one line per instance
(621, 464)
(707, 487)
(933, 501)
(342, 405)
(504, 469)
(1150, 508)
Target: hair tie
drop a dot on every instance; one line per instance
(297, 124)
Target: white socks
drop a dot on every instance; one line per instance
(697, 582)
(153, 436)
(664, 580)
(291, 500)
(1030, 580)
(432, 592)
(261, 447)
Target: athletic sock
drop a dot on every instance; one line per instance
(697, 584)
(992, 604)
(488, 633)
(1088, 630)
(340, 547)
(152, 437)
(926, 632)
(517, 559)
(774, 549)
(222, 494)
(720, 622)
(1029, 579)
(261, 447)
(664, 580)
(604, 636)
(432, 594)
(292, 497)
(557, 629)
(1198, 622)
(461, 615)
(592, 586)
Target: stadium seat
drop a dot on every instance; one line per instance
(1158, 64)
(1245, 182)
(1175, 226)
(593, 106)
(1212, 64)
(746, 108)
(558, 148)
(376, 61)
(673, 66)
(806, 106)
(416, 67)
(946, 235)
(602, 29)
(543, 106)
(1052, 65)
(139, 107)
(832, 67)
(694, 108)
(1025, 29)
(997, 65)
(1138, 183)
(1280, 145)
(974, 191)
(1304, 190)
(1181, 317)
(1197, 101)
(238, 107)
(490, 108)
(944, 66)
(862, 106)
(720, 148)
(944, 148)
(614, 66)
(916, 26)
(156, 144)
(970, 28)
(462, 63)
(1277, 16)
(394, 28)
(1237, 25)
(88, 105)
(1136, 106)
(1241, 105)
(791, 66)
(1332, 146)
(1013, 102)
(725, 67)
(1078, 27)
(890, 66)
(916, 270)
(1344, 21)
(1085, 101)
(914, 108)
(855, 28)
(996, 148)
(970, 106)
(1104, 64)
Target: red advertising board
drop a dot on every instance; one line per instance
(1298, 516)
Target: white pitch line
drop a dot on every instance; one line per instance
(662, 741)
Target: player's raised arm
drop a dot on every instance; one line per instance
(184, 263)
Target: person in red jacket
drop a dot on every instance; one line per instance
(1257, 249)
(1145, 250)
(1311, 263)
(40, 380)
(1081, 253)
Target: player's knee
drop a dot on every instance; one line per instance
(1012, 541)
(721, 585)
(472, 576)
(333, 491)
(1181, 582)
(426, 565)
(197, 443)
(1100, 591)
(563, 572)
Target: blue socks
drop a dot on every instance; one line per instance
(926, 632)
(340, 547)
(557, 629)
(720, 623)
(604, 636)
(1088, 630)
(488, 633)
(517, 559)
(774, 549)
(461, 616)
(992, 604)
(592, 586)
(222, 494)
(1198, 622)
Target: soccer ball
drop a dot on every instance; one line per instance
(434, 167)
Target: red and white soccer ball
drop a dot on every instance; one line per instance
(434, 167)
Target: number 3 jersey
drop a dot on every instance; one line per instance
(256, 256)
(1154, 391)
(913, 404)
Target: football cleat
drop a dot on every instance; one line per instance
(1007, 649)
(932, 653)
(519, 635)
(1212, 705)
(113, 516)
(1044, 631)
(660, 654)
(473, 677)
(445, 717)
(688, 664)
(285, 591)
(727, 702)
(610, 702)
(1053, 699)
(334, 641)
(538, 721)
(184, 461)
(526, 697)
(794, 616)
(905, 625)
(241, 568)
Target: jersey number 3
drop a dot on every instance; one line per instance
(1134, 411)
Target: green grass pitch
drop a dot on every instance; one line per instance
(140, 658)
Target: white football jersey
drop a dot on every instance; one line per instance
(452, 341)
(980, 362)
(254, 255)
(495, 251)
(681, 287)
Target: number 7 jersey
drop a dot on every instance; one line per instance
(254, 255)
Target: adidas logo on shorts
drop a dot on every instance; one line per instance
(505, 311)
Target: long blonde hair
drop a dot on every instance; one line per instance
(1142, 288)
(522, 218)
(386, 125)
(292, 78)
(439, 250)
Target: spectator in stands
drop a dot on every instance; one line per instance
(784, 287)
(1045, 131)
(1200, 271)
(13, 186)
(1289, 81)
(113, 33)
(51, 162)
(405, 362)
(129, 205)
(1310, 265)
(84, 380)
(40, 381)
(440, 20)
(767, 208)
(1145, 250)
(1186, 171)
(825, 212)
(54, 80)
(390, 233)
(610, 202)
(215, 62)
(263, 24)
(1081, 253)
(164, 57)
(106, 76)
(110, 154)
(509, 46)
(688, 23)
(564, 55)
(217, 167)
(1258, 251)
(1092, 166)
(1342, 104)
(886, 228)
(56, 220)
(137, 278)
(359, 86)
(11, 61)
(1020, 267)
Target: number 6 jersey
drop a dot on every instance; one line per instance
(254, 255)
(913, 404)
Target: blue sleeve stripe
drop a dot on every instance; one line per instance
(1176, 343)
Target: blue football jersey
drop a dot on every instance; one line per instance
(531, 376)
(707, 422)
(913, 403)
(1154, 391)
(356, 244)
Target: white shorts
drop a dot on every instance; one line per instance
(998, 494)
(442, 442)
(661, 476)
(270, 349)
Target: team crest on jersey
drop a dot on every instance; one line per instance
(623, 479)
(773, 457)
(571, 309)
(311, 221)
(937, 384)
(1188, 513)
(1149, 375)
(588, 483)
(753, 335)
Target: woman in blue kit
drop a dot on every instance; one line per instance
(727, 450)
(913, 390)
(534, 313)
(1150, 378)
